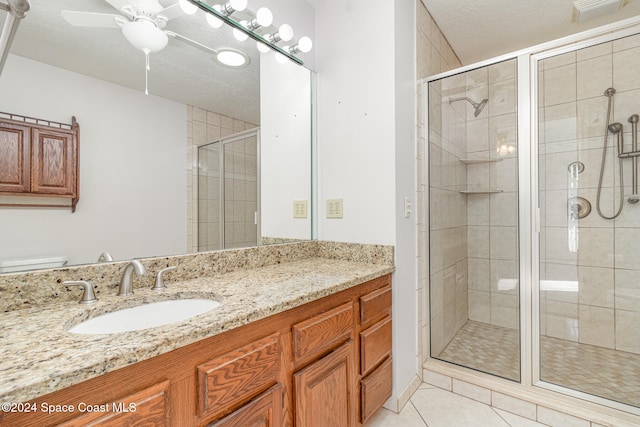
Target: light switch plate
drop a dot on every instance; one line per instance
(300, 209)
(334, 208)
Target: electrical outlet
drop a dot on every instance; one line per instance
(334, 208)
(299, 208)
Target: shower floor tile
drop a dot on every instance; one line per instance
(604, 372)
(486, 348)
(599, 371)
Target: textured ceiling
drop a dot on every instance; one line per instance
(179, 72)
(482, 29)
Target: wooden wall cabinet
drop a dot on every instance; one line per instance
(325, 363)
(39, 158)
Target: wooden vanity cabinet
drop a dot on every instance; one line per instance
(39, 158)
(325, 363)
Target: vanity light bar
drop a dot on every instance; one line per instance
(257, 37)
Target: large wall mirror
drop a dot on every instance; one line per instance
(215, 156)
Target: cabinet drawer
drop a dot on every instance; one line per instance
(375, 389)
(323, 331)
(375, 345)
(375, 305)
(263, 411)
(239, 375)
(146, 407)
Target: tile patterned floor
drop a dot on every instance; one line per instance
(434, 407)
(595, 370)
(487, 348)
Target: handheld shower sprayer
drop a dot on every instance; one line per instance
(616, 129)
(478, 106)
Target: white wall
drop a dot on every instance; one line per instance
(356, 109)
(132, 163)
(365, 60)
(285, 149)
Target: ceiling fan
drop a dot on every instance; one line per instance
(142, 23)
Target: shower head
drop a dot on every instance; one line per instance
(478, 106)
(615, 127)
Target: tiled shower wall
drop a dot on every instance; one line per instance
(604, 308)
(202, 127)
(434, 55)
(473, 202)
(492, 249)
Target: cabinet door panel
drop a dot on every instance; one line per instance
(237, 376)
(263, 411)
(375, 305)
(323, 331)
(14, 158)
(148, 407)
(375, 345)
(53, 162)
(322, 390)
(375, 389)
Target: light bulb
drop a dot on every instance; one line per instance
(281, 58)
(213, 21)
(264, 17)
(238, 5)
(239, 35)
(187, 7)
(262, 47)
(305, 44)
(285, 32)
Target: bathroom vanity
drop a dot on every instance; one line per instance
(305, 342)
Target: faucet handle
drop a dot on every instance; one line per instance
(88, 295)
(159, 285)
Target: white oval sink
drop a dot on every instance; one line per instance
(145, 316)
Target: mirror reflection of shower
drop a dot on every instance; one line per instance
(616, 129)
(478, 106)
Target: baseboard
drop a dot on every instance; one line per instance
(396, 403)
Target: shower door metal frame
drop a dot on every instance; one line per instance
(228, 140)
(533, 60)
(528, 206)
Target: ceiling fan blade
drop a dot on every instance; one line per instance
(118, 4)
(90, 19)
(190, 41)
(171, 12)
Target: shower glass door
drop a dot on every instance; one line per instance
(228, 192)
(473, 220)
(589, 250)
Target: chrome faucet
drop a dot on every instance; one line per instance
(126, 286)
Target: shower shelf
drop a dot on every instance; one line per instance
(480, 191)
(478, 161)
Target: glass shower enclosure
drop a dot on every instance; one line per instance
(534, 218)
(228, 195)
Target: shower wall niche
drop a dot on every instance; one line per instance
(473, 211)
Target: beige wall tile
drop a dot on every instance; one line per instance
(596, 326)
(593, 75)
(513, 405)
(472, 391)
(559, 85)
(559, 419)
(627, 331)
(436, 379)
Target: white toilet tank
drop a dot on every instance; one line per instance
(26, 264)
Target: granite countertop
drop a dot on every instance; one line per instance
(39, 356)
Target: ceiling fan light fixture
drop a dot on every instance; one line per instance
(232, 58)
(145, 35)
